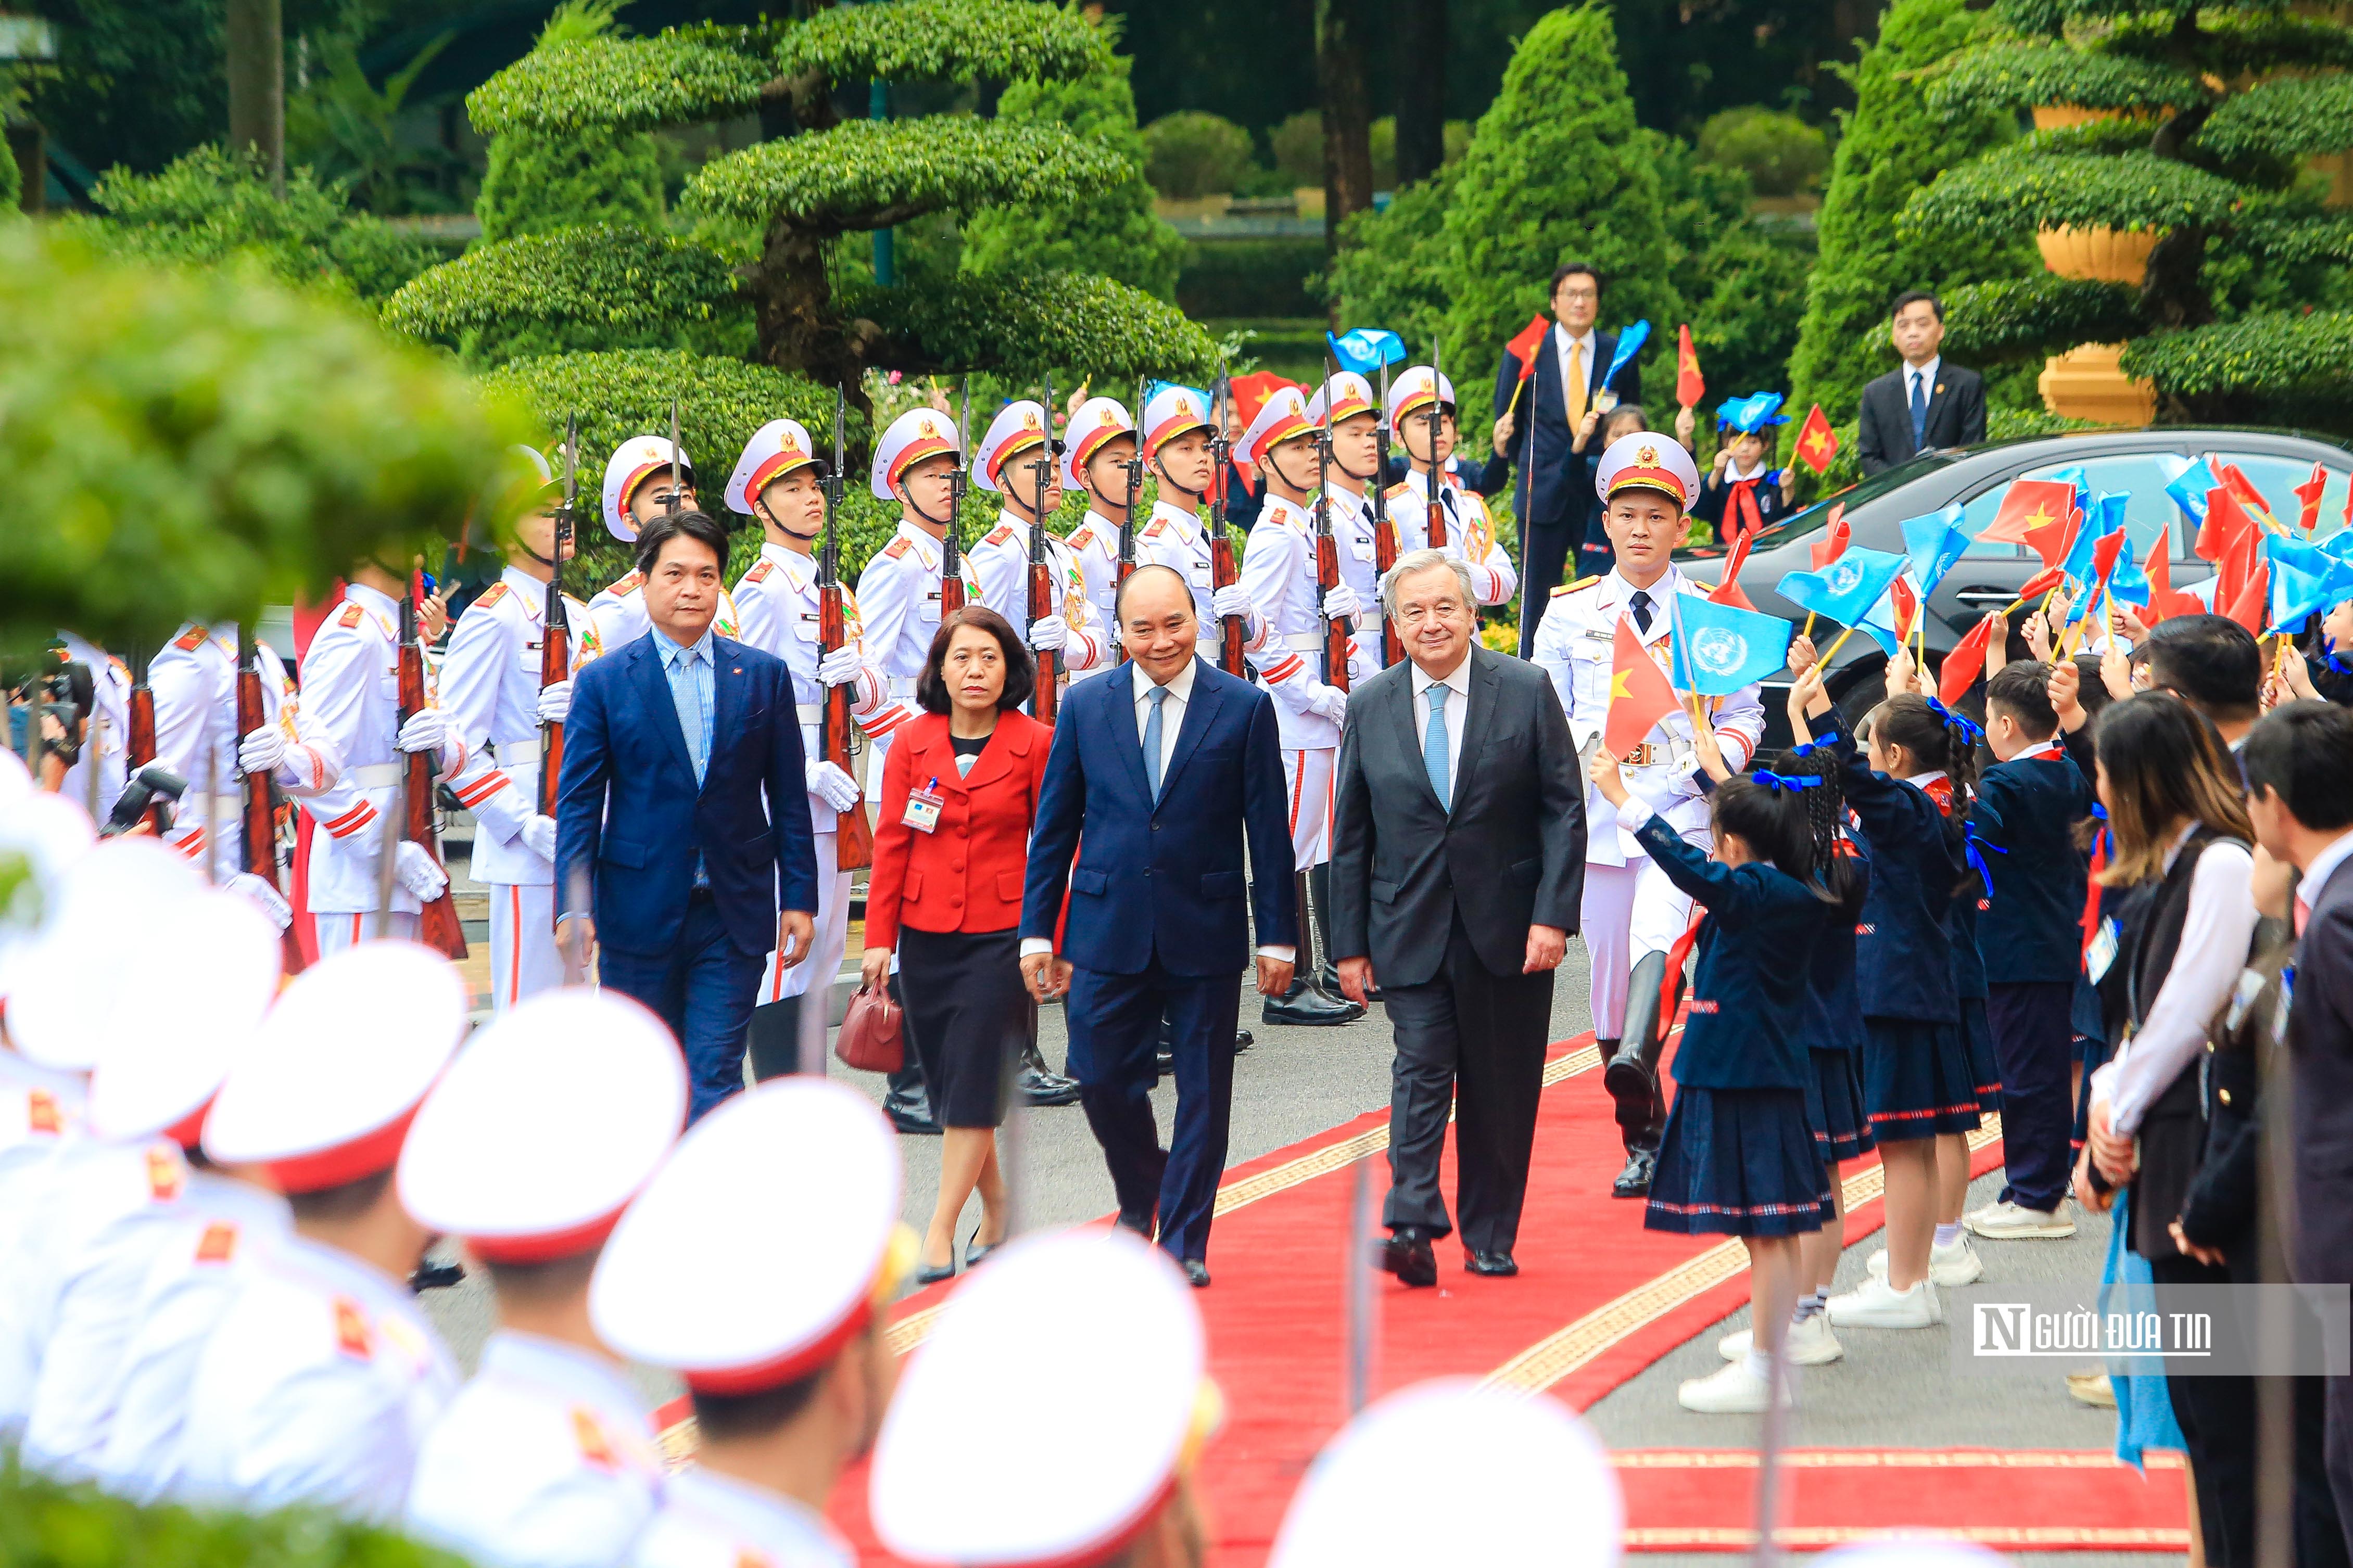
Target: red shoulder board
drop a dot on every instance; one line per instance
(626, 586)
(1081, 538)
(163, 1175)
(350, 618)
(41, 1114)
(352, 1336)
(895, 549)
(745, 1557)
(760, 570)
(1000, 535)
(1400, 491)
(496, 591)
(589, 1434)
(218, 1244)
(190, 640)
(1155, 528)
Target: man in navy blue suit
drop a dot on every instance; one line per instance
(1553, 493)
(1159, 902)
(683, 805)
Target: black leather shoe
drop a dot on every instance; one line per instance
(1634, 1181)
(1042, 1085)
(911, 1116)
(1196, 1273)
(436, 1276)
(927, 1275)
(1140, 1224)
(974, 1251)
(1495, 1264)
(1408, 1255)
(1302, 1003)
(1243, 1040)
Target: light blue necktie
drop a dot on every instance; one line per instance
(1434, 747)
(1158, 695)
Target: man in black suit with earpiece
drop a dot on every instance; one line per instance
(1925, 403)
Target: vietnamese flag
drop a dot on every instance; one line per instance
(2244, 488)
(1964, 663)
(1835, 542)
(2162, 600)
(2028, 506)
(1639, 695)
(2053, 540)
(1690, 385)
(1817, 442)
(1730, 592)
(2041, 583)
(2104, 556)
(1907, 604)
(2226, 524)
(1524, 347)
(2251, 605)
(2308, 495)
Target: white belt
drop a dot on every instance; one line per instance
(902, 686)
(810, 712)
(374, 776)
(1304, 642)
(519, 753)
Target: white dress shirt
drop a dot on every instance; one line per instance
(1562, 344)
(2315, 876)
(1458, 707)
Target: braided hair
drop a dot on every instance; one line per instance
(1934, 736)
(1775, 822)
(1840, 876)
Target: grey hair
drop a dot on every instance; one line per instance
(1422, 561)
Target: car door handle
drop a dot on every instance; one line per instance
(1986, 596)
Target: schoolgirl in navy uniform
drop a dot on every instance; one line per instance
(1917, 1078)
(1738, 1157)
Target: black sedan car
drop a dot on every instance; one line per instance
(2138, 462)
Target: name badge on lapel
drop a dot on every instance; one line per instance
(923, 806)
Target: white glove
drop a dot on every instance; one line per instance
(424, 732)
(841, 666)
(1232, 599)
(1048, 634)
(539, 837)
(261, 749)
(832, 784)
(1332, 703)
(418, 873)
(266, 899)
(554, 702)
(1341, 603)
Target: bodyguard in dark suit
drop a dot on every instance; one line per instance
(1553, 490)
(1161, 771)
(1457, 865)
(683, 848)
(1923, 403)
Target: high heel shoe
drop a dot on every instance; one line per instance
(927, 1275)
(974, 1251)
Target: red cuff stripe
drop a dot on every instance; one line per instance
(351, 822)
(481, 789)
(1284, 670)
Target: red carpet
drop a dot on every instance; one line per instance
(1599, 1299)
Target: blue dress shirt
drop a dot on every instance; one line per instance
(688, 671)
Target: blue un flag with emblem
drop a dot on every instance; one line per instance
(1719, 649)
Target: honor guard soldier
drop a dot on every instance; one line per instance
(1101, 447)
(104, 740)
(1177, 448)
(1129, 1403)
(38, 1106)
(527, 1150)
(323, 1377)
(351, 693)
(1525, 1480)
(1632, 915)
(1010, 460)
(638, 488)
(1354, 419)
(1279, 572)
(490, 687)
(777, 481)
(1470, 529)
(772, 1315)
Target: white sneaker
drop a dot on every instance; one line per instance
(1810, 1344)
(1875, 1304)
(1728, 1391)
(2009, 1222)
(1950, 1266)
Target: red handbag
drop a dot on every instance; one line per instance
(873, 1035)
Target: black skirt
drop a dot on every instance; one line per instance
(1738, 1161)
(1917, 1079)
(1834, 1105)
(967, 1017)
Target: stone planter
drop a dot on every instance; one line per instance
(2087, 382)
(2108, 255)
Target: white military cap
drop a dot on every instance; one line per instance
(1119, 1415)
(1282, 415)
(1168, 412)
(1098, 421)
(117, 910)
(738, 1297)
(638, 460)
(1409, 392)
(1525, 1480)
(531, 463)
(915, 434)
(1019, 427)
(1909, 1551)
(1648, 460)
(547, 1124)
(15, 783)
(776, 449)
(173, 1038)
(1345, 395)
(335, 1075)
(50, 833)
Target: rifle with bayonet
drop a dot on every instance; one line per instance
(1134, 491)
(139, 736)
(1327, 550)
(1233, 632)
(555, 635)
(437, 926)
(1045, 698)
(1437, 517)
(951, 562)
(1384, 534)
(854, 839)
(259, 809)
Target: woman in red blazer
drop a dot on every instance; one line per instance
(951, 850)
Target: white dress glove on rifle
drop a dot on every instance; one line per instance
(1234, 599)
(1332, 703)
(1341, 603)
(425, 731)
(261, 749)
(841, 666)
(539, 837)
(1049, 633)
(266, 899)
(554, 702)
(418, 873)
(832, 784)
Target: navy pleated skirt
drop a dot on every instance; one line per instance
(1977, 1033)
(1738, 1161)
(1916, 1081)
(1834, 1107)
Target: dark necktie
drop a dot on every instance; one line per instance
(1641, 604)
(1919, 409)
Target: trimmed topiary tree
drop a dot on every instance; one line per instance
(2185, 125)
(536, 184)
(1891, 145)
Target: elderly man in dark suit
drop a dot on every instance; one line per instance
(1554, 493)
(1457, 865)
(1925, 403)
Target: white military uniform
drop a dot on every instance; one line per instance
(490, 687)
(899, 606)
(1174, 536)
(618, 609)
(709, 1520)
(350, 694)
(1353, 530)
(1470, 534)
(1094, 543)
(103, 740)
(1001, 559)
(193, 680)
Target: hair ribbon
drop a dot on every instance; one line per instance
(1970, 732)
(1791, 781)
(1974, 848)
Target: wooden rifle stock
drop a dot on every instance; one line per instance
(260, 810)
(1385, 533)
(1233, 632)
(555, 665)
(437, 928)
(1335, 627)
(853, 834)
(1046, 697)
(139, 731)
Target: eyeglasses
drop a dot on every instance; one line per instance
(1418, 611)
(1585, 295)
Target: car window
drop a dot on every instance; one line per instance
(2277, 477)
(2140, 475)
(1814, 519)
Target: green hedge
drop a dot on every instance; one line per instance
(45, 1525)
(1226, 278)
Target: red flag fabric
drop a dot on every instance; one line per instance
(1731, 592)
(2238, 566)
(2052, 539)
(1733, 563)
(1524, 347)
(2226, 522)
(1640, 694)
(1964, 665)
(1817, 442)
(2041, 583)
(2162, 600)
(2105, 551)
(2244, 488)
(1907, 602)
(2307, 495)
(2249, 606)
(1834, 543)
(1690, 385)
(2030, 504)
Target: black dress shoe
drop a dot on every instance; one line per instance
(927, 1275)
(916, 1119)
(1196, 1273)
(1302, 1003)
(436, 1276)
(1243, 1040)
(1495, 1264)
(1140, 1224)
(1163, 1063)
(1040, 1085)
(1408, 1255)
(974, 1251)
(1634, 1181)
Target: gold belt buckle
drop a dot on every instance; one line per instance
(1639, 757)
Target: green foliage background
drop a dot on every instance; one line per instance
(45, 1525)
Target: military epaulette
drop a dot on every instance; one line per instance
(350, 618)
(896, 548)
(165, 1174)
(218, 1243)
(352, 1336)
(627, 585)
(1081, 537)
(1001, 534)
(760, 570)
(492, 595)
(190, 640)
(1399, 490)
(1573, 587)
(1155, 528)
(588, 1434)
